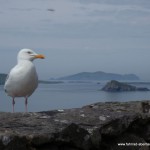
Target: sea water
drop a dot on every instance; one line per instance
(70, 95)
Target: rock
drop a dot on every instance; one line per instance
(115, 86)
(142, 89)
(92, 127)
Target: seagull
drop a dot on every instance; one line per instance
(22, 79)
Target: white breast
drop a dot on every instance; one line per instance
(22, 80)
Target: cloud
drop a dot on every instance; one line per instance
(115, 13)
(22, 15)
(24, 9)
(75, 19)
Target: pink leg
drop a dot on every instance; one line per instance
(13, 103)
(26, 104)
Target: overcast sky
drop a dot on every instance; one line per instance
(77, 35)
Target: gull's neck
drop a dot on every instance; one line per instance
(20, 61)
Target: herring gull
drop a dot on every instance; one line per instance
(22, 79)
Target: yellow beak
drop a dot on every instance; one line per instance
(40, 56)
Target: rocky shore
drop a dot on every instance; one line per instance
(100, 126)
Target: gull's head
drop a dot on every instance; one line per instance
(28, 54)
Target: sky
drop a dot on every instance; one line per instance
(77, 35)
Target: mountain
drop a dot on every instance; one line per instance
(99, 75)
(2, 78)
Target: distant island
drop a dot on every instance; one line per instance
(99, 75)
(3, 77)
(49, 82)
(115, 86)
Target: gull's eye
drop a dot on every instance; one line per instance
(29, 52)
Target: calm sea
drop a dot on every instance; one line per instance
(69, 95)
